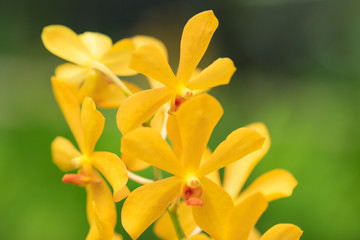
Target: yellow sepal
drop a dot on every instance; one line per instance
(113, 169)
(237, 173)
(140, 107)
(147, 145)
(63, 152)
(65, 43)
(282, 232)
(218, 73)
(237, 145)
(147, 203)
(217, 206)
(195, 39)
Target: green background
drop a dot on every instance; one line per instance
(298, 71)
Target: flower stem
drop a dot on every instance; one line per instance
(105, 70)
(172, 210)
(138, 179)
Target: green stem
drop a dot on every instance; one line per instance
(105, 70)
(172, 210)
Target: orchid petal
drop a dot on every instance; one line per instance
(196, 119)
(66, 44)
(147, 203)
(141, 40)
(147, 145)
(90, 85)
(186, 218)
(237, 145)
(218, 73)
(282, 232)
(93, 232)
(106, 230)
(104, 93)
(70, 73)
(254, 234)
(63, 151)
(195, 39)
(217, 205)
(117, 236)
(245, 215)
(79, 179)
(100, 194)
(151, 62)
(273, 185)
(134, 164)
(92, 122)
(140, 107)
(70, 108)
(236, 174)
(113, 169)
(173, 133)
(109, 95)
(117, 59)
(213, 176)
(96, 43)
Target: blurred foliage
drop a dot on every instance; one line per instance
(298, 72)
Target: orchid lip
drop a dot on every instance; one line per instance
(78, 180)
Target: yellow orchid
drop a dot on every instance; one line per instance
(273, 185)
(164, 227)
(94, 63)
(191, 129)
(237, 222)
(150, 61)
(86, 126)
(270, 186)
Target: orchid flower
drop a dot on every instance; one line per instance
(273, 185)
(86, 125)
(150, 61)
(146, 203)
(94, 61)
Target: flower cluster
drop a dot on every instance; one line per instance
(167, 128)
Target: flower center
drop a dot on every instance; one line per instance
(192, 192)
(80, 161)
